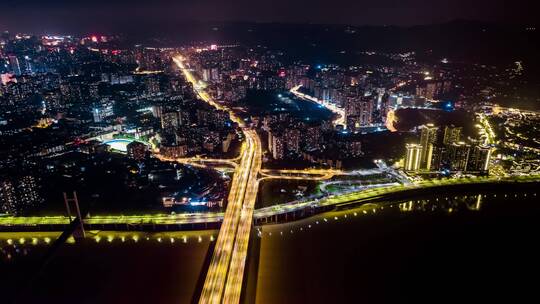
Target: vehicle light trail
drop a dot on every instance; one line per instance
(233, 286)
(223, 281)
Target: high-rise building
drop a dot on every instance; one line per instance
(458, 155)
(313, 138)
(174, 151)
(293, 141)
(432, 90)
(412, 157)
(358, 111)
(203, 116)
(28, 65)
(152, 85)
(436, 158)
(428, 138)
(169, 121)
(214, 73)
(157, 111)
(452, 134)
(206, 74)
(454, 155)
(28, 191)
(479, 159)
(5, 36)
(8, 197)
(15, 65)
(102, 111)
(276, 145)
(93, 90)
(354, 148)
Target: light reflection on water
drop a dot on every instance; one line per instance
(155, 267)
(382, 252)
(13, 244)
(443, 203)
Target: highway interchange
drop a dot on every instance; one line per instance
(223, 283)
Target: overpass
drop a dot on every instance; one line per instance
(225, 274)
(200, 161)
(316, 174)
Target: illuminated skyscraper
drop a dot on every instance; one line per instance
(428, 138)
(452, 134)
(479, 159)
(458, 155)
(412, 157)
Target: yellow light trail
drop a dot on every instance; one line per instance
(226, 268)
(233, 286)
(219, 266)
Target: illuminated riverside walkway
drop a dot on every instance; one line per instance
(13, 223)
(340, 119)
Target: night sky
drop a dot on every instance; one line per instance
(133, 15)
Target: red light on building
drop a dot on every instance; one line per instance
(78, 141)
(7, 78)
(213, 47)
(94, 39)
(282, 73)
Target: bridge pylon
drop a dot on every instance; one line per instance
(79, 232)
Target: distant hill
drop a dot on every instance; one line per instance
(462, 40)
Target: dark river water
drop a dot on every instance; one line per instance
(107, 267)
(435, 248)
(275, 103)
(432, 249)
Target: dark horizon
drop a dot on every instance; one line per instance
(60, 16)
(122, 31)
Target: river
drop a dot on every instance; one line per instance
(440, 247)
(106, 267)
(435, 248)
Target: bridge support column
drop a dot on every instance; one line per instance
(79, 232)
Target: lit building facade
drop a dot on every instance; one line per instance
(412, 157)
(428, 138)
